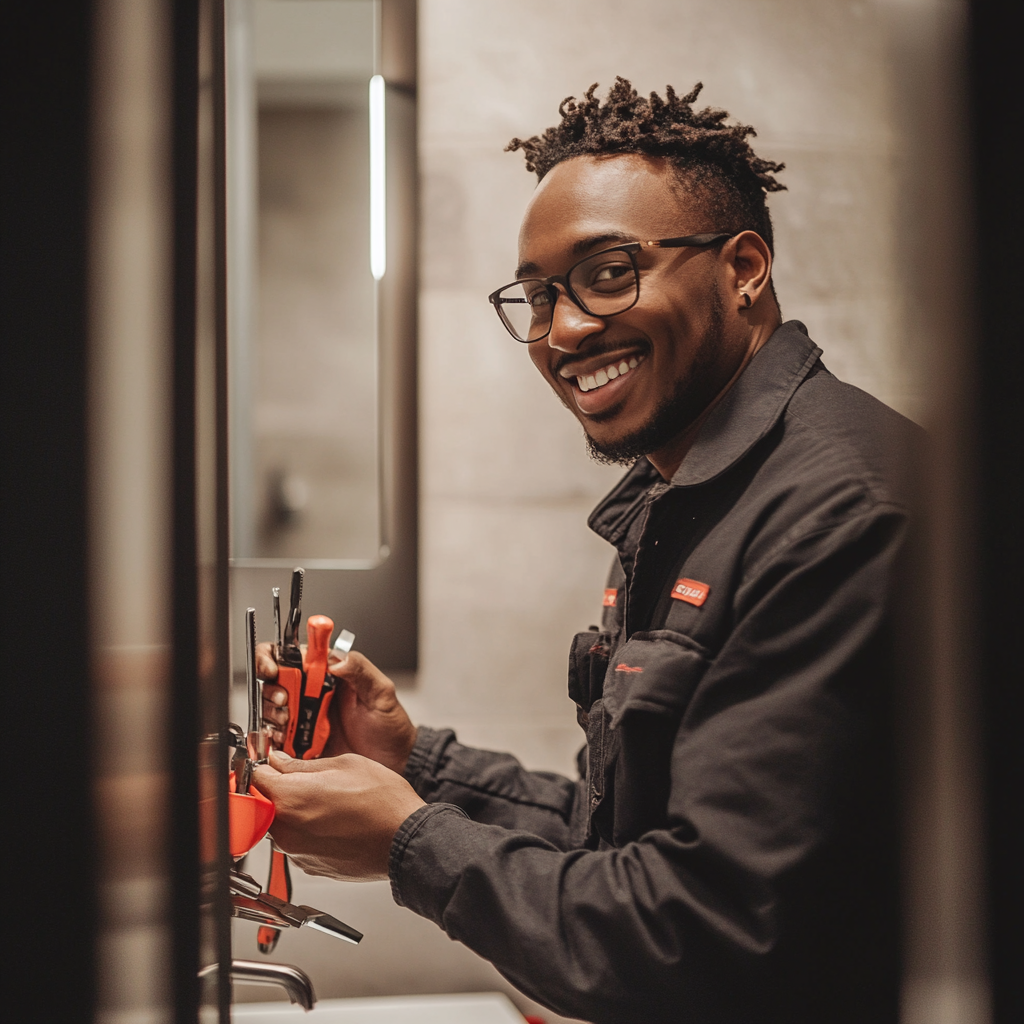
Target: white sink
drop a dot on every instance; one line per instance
(464, 1008)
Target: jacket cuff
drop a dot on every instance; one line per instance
(425, 757)
(424, 819)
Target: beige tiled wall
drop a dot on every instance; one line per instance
(509, 569)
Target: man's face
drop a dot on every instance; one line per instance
(665, 359)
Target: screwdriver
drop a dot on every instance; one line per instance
(243, 766)
(289, 676)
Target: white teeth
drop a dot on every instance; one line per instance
(601, 377)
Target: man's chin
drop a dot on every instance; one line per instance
(622, 448)
(618, 450)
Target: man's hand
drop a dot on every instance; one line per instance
(336, 816)
(366, 717)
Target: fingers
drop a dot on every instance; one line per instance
(266, 664)
(370, 685)
(275, 710)
(343, 812)
(284, 764)
(275, 704)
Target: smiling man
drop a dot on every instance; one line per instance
(728, 852)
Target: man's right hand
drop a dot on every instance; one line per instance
(366, 717)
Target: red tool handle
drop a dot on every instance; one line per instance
(309, 701)
(280, 885)
(318, 632)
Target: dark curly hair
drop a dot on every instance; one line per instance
(713, 160)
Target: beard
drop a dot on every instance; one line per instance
(689, 398)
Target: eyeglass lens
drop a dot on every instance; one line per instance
(603, 285)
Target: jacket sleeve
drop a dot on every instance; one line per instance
(492, 788)
(771, 832)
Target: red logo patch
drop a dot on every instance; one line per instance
(610, 597)
(691, 591)
(628, 668)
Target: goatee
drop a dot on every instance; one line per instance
(689, 398)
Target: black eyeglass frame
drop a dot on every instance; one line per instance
(629, 248)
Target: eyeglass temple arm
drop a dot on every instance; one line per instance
(688, 240)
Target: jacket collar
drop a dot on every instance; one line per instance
(747, 412)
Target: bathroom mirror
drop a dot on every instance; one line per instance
(304, 462)
(321, 240)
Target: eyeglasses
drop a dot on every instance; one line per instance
(603, 284)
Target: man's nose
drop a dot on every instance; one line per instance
(571, 325)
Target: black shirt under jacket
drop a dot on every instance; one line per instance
(729, 853)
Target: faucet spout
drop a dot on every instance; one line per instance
(255, 972)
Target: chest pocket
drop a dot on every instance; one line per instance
(588, 663)
(648, 685)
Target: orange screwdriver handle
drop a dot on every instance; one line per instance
(318, 632)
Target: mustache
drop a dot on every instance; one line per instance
(600, 348)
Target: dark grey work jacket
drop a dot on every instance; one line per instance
(729, 852)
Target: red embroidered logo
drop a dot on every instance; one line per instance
(628, 668)
(610, 597)
(691, 591)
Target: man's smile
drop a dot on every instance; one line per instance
(591, 381)
(599, 384)
(597, 381)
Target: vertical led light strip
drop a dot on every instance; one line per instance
(378, 197)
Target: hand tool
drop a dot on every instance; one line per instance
(310, 689)
(250, 902)
(289, 676)
(239, 757)
(275, 593)
(346, 638)
(243, 762)
(258, 735)
(289, 660)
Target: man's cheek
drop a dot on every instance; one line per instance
(559, 389)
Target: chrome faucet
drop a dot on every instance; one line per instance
(292, 979)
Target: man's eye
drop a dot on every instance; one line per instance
(539, 299)
(609, 277)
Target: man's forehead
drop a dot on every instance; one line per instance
(588, 200)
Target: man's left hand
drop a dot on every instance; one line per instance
(336, 816)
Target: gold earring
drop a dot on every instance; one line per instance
(746, 300)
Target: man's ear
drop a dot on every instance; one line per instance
(750, 267)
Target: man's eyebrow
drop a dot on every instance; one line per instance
(578, 248)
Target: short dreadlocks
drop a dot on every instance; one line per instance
(712, 159)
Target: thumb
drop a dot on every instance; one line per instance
(357, 670)
(364, 679)
(283, 764)
(269, 778)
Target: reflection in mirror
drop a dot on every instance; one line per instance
(303, 295)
